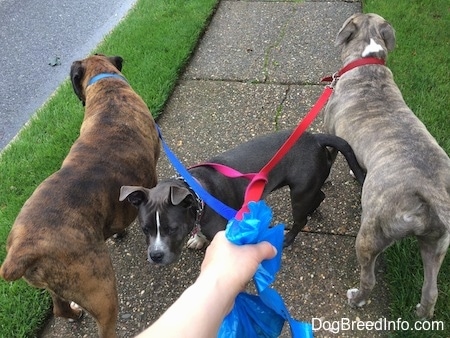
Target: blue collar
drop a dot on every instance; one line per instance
(101, 76)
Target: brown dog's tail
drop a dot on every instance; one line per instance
(14, 267)
(327, 140)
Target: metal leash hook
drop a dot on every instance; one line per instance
(334, 80)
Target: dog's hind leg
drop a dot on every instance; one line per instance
(369, 245)
(433, 252)
(96, 290)
(62, 308)
(303, 204)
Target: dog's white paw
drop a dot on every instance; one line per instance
(352, 174)
(197, 242)
(351, 294)
(78, 309)
(422, 313)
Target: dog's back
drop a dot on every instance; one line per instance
(389, 141)
(59, 216)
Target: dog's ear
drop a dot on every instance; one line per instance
(76, 76)
(135, 195)
(117, 61)
(346, 32)
(388, 35)
(181, 196)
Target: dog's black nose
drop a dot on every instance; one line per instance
(157, 256)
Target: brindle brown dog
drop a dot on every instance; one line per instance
(57, 240)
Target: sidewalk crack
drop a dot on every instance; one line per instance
(279, 109)
(268, 53)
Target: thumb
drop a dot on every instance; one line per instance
(265, 250)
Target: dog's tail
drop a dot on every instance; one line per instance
(327, 140)
(439, 202)
(443, 212)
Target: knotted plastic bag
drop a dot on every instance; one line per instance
(261, 315)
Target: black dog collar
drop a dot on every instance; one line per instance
(200, 204)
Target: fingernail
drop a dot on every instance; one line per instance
(275, 250)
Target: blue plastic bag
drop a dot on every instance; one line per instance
(261, 315)
(254, 227)
(249, 319)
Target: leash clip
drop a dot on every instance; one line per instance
(334, 80)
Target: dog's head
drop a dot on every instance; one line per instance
(167, 214)
(364, 35)
(83, 70)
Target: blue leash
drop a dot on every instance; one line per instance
(222, 209)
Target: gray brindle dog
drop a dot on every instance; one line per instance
(407, 187)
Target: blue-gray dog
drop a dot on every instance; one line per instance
(407, 187)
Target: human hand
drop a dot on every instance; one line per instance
(232, 266)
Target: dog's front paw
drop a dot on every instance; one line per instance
(197, 242)
(423, 313)
(288, 239)
(353, 298)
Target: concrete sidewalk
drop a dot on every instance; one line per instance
(257, 69)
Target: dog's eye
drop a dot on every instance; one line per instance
(172, 231)
(146, 230)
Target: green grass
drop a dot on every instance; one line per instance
(156, 39)
(421, 67)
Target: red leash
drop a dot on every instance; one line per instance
(258, 181)
(255, 188)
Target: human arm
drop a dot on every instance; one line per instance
(200, 310)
